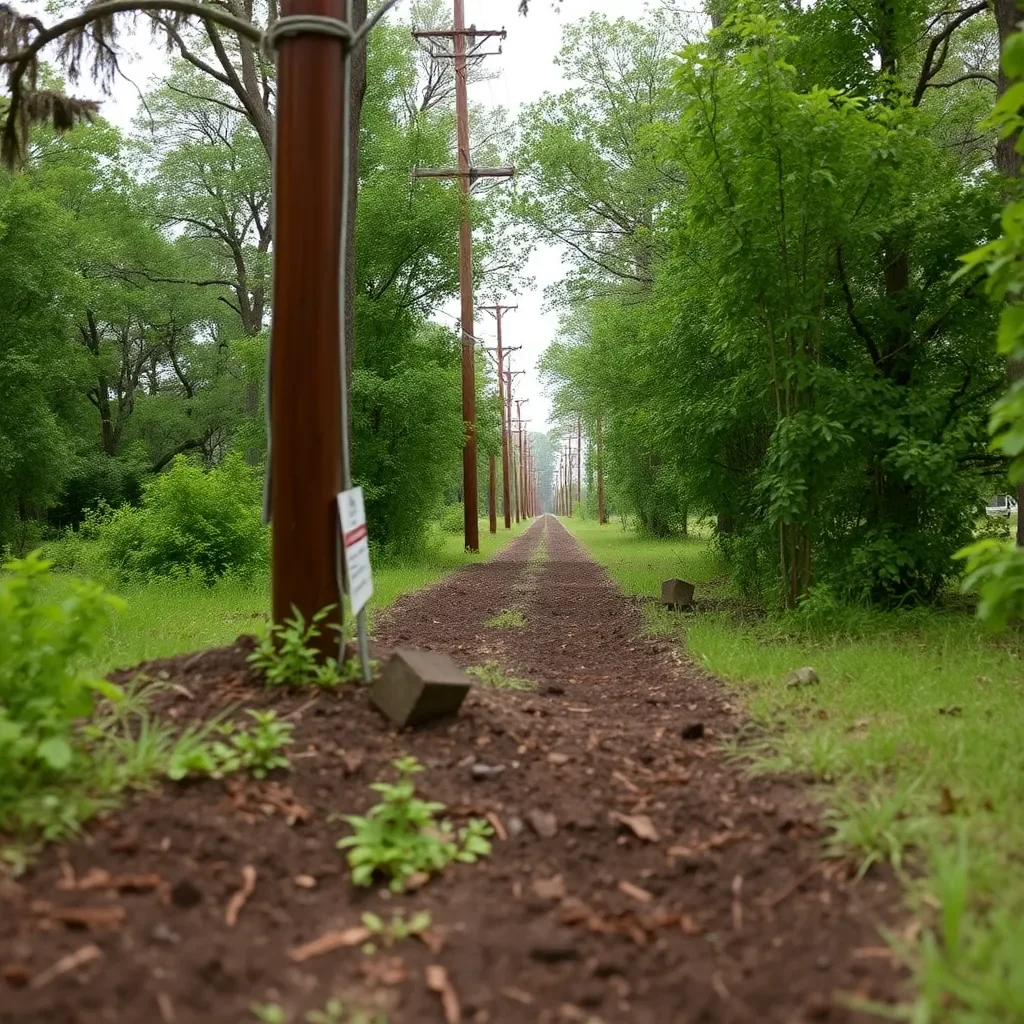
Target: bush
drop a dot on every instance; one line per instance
(192, 522)
(42, 692)
(453, 519)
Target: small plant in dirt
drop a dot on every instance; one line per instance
(286, 655)
(268, 1013)
(256, 749)
(402, 837)
(44, 694)
(337, 1012)
(334, 1012)
(510, 618)
(399, 928)
(491, 674)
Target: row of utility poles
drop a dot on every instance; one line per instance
(462, 45)
(569, 461)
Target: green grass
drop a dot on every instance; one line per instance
(167, 618)
(916, 737)
(510, 618)
(490, 674)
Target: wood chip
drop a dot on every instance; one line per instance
(499, 829)
(241, 897)
(629, 785)
(639, 824)
(517, 995)
(166, 1008)
(328, 943)
(16, 975)
(305, 881)
(634, 891)
(98, 879)
(389, 971)
(438, 981)
(558, 760)
(89, 917)
(433, 939)
(549, 888)
(71, 962)
(873, 953)
(737, 905)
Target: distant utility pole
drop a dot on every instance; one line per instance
(520, 402)
(499, 312)
(492, 512)
(568, 478)
(579, 459)
(510, 375)
(465, 45)
(602, 515)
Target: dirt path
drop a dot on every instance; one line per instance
(720, 912)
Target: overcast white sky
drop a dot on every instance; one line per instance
(527, 70)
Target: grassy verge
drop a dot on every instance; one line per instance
(167, 618)
(915, 735)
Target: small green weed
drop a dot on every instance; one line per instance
(334, 1012)
(491, 674)
(510, 618)
(389, 933)
(286, 656)
(256, 749)
(268, 1013)
(43, 695)
(401, 836)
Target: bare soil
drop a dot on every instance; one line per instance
(639, 876)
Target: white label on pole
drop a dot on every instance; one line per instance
(357, 547)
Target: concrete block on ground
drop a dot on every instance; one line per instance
(417, 687)
(677, 594)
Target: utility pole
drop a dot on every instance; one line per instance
(568, 478)
(305, 399)
(579, 459)
(492, 512)
(465, 44)
(510, 375)
(602, 515)
(498, 312)
(520, 402)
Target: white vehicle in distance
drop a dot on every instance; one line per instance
(1001, 505)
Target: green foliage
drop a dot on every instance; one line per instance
(43, 692)
(191, 523)
(453, 519)
(220, 749)
(334, 1012)
(996, 570)
(401, 836)
(286, 655)
(763, 316)
(399, 928)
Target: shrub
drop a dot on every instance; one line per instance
(192, 522)
(452, 519)
(42, 691)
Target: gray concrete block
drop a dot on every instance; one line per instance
(417, 687)
(677, 594)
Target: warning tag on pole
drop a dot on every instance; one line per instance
(357, 547)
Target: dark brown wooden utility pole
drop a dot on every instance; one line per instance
(498, 312)
(467, 175)
(305, 372)
(579, 459)
(520, 402)
(492, 511)
(602, 515)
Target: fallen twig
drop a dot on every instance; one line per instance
(71, 962)
(241, 897)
